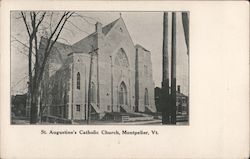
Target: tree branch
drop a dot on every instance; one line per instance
(77, 27)
(25, 22)
(51, 43)
(25, 45)
(40, 20)
(85, 18)
(58, 34)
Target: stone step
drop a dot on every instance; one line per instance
(128, 117)
(95, 107)
(149, 109)
(147, 118)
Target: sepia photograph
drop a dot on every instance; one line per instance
(99, 68)
(124, 79)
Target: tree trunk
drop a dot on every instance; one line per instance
(33, 111)
(31, 81)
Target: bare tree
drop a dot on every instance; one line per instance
(33, 23)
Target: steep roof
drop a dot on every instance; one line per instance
(139, 46)
(108, 27)
(63, 50)
(59, 51)
(86, 44)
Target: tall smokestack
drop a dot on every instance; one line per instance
(173, 70)
(165, 69)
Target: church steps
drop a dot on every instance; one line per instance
(149, 109)
(95, 107)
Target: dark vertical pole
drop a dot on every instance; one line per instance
(89, 89)
(165, 77)
(112, 100)
(185, 23)
(72, 105)
(164, 100)
(173, 70)
(64, 105)
(97, 76)
(85, 87)
(136, 81)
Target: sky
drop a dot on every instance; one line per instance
(145, 28)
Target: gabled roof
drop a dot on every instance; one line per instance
(88, 43)
(139, 46)
(108, 27)
(63, 50)
(59, 50)
(85, 45)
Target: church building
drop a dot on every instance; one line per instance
(104, 68)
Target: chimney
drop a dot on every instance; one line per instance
(179, 89)
(98, 27)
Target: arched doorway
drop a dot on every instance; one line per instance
(123, 100)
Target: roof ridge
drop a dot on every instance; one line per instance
(91, 34)
(139, 45)
(108, 27)
(57, 42)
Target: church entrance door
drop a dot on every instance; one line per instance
(123, 97)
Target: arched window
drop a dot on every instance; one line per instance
(123, 94)
(78, 78)
(92, 93)
(146, 97)
(121, 58)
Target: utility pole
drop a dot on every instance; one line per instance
(112, 101)
(97, 76)
(85, 89)
(164, 100)
(72, 85)
(173, 70)
(136, 82)
(165, 77)
(185, 22)
(90, 79)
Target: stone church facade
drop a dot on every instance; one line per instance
(121, 75)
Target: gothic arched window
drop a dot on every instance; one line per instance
(78, 80)
(121, 58)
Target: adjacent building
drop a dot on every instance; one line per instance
(181, 102)
(18, 105)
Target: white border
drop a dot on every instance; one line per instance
(219, 91)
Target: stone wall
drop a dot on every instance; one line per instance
(145, 79)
